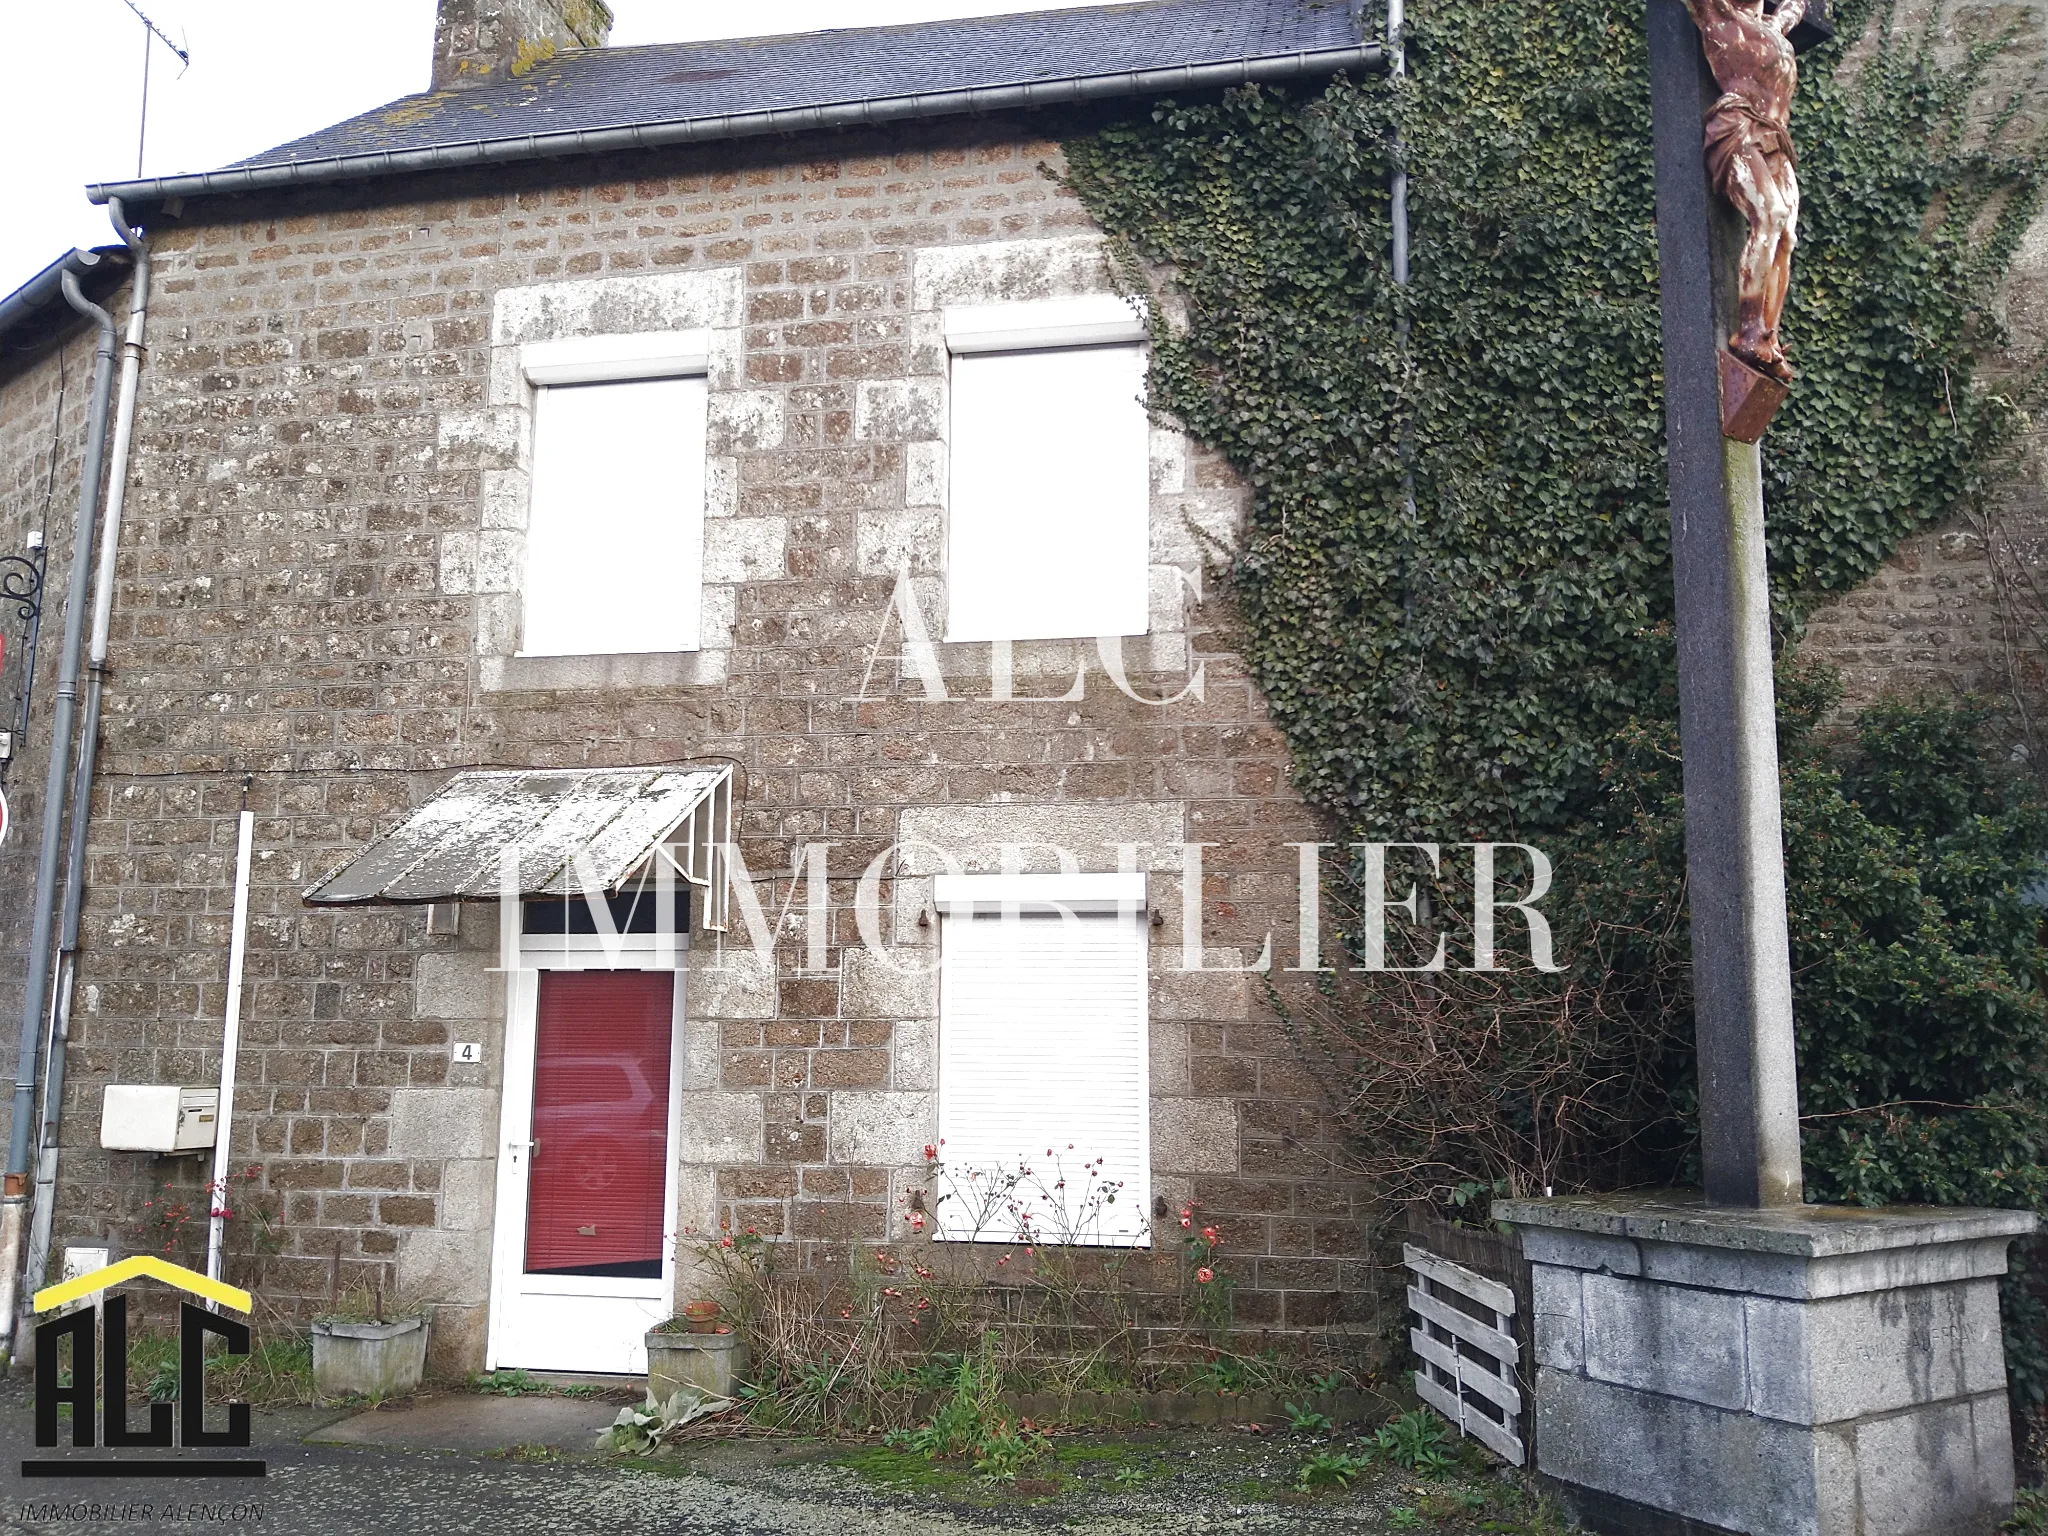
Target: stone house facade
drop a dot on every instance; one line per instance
(324, 578)
(323, 586)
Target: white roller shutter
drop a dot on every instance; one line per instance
(1047, 530)
(1042, 1048)
(615, 534)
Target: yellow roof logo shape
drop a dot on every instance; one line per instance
(158, 1269)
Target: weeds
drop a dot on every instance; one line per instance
(970, 1423)
(528, 1451)
(1002, 1451)
(1415, 1442)
(1304, 1420)
(1030, 1257)
(273, 1372)
(368, 1303)
(507, 1384)
(1330, 1470)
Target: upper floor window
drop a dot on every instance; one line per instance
(615, 527)
(1047, 531)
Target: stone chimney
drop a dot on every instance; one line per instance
(480, 41)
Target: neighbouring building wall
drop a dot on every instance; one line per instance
(318, 587)
(45, 393)
(1926, 623)
(1933, 620)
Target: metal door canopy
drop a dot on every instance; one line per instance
(570, 832)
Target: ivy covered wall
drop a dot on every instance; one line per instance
(1459, 666)
(1456, 586)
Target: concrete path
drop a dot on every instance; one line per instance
(462, 1422)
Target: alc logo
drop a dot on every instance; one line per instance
(106, 1325)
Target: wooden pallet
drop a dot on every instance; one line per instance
(1466, 1340)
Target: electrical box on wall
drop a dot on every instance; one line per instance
(134, 1118)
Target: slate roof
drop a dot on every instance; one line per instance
(726, 88)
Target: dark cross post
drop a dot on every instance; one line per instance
(1742, 976)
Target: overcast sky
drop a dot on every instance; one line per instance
(264, 72)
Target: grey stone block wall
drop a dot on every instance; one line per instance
(313, 588)
(45, 389)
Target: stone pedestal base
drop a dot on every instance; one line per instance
(1809, 1371)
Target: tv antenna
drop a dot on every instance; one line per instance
(151, 33)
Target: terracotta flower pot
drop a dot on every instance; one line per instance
(702, 1316)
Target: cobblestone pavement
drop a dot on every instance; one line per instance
(1178, 1483)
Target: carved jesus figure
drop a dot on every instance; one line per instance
(1750, 160)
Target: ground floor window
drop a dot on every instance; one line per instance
(1043, 1101)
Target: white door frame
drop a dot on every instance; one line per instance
(583, 1299)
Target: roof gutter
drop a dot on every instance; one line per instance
(1267, 70)
(45, 288)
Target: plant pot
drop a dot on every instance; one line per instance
(702, 1316)
(374, 1360)
(713, 1363)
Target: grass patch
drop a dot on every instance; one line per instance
(527, 1453)
(274, 1372)
(1203, 1472)
(515, 1383)
(906, 1471)
(1077, 1452)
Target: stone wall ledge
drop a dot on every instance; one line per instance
(1800, 1231)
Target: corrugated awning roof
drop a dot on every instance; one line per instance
(578, 831)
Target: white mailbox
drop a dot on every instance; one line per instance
(152, 1119)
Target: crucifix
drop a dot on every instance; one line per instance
(1722, 75)
(1733, 1364)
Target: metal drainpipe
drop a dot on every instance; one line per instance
(14, 1188)
(44, 1210)
(1397, 66)
(1396, 53)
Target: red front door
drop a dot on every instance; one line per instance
(597, 1182)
